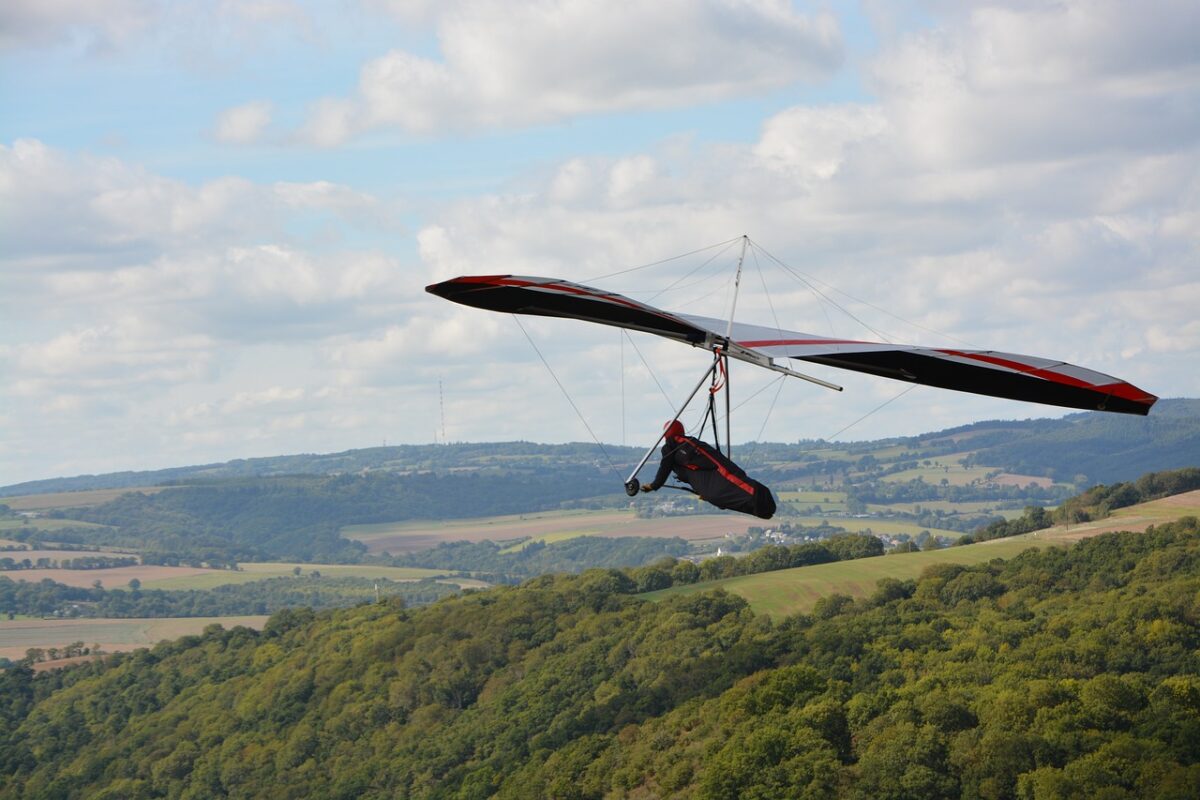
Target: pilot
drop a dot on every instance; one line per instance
(710, 474)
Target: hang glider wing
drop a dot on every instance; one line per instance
(985, 372)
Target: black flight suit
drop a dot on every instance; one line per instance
(714, 477)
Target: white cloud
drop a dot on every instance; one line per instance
(1047, 82)
(113, 355)
(244, 124)
(273, 396)
(130, 298)
(507, 64)
(814, 142)
(106, 27)
(147, 320)
(1016, 210)
(57, 205)
(103, 24)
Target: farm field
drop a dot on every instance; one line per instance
(810, 496)
(159, 577)
(61, 555)
(1137, 517)
(408, 537)
(113, 635)
(258, 571)
(795, 590)
(115, 578)
(875, 524)
(966, 507)
(91, 497)
(953, 475)
(551, 538)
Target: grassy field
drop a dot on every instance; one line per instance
(1137, 517)
(407, 537)
(875, 524)
(115, 578)
(17, 636)
(157, 577)
(789, 591)
(258, 571)
(550, 538)
(94, 497)
(809, 497)
(794, 590)
(974, 507)
(807, 505)
(954, 476)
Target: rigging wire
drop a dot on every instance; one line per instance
(766, 292)
(826, 297)
(646, 364)
(693, 301)
(874, 307)
(704, 264)
(662, 261)
(566, 394)
(760, 390)
(802, 278)
(872, 411)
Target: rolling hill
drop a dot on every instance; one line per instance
(1100, 447)
(784, 592)
(1062, 672)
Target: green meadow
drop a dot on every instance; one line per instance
(875, 525)
(550, 538)
(790, 591)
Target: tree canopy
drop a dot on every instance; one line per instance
(1060, 673)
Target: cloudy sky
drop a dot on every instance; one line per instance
(217, 218)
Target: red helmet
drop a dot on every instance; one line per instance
(673, 429)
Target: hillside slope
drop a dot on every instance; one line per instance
(1101, 447)
(790, 591)
(1063, 672)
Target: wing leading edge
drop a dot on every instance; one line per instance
(985, 372)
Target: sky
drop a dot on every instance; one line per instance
(217, 218)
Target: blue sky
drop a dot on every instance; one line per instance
(219, 216)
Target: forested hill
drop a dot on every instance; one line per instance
(300, 517)
(1060, 673)
(509, 456)
(1100, 447)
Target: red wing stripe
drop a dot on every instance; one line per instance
(1120, 389)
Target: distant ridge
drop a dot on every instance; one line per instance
(397, 458)
(1102, 448)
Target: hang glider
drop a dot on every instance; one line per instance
(984, 372)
